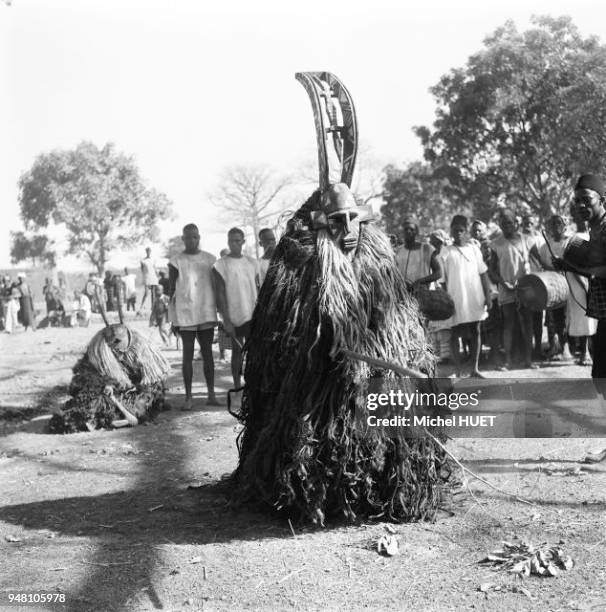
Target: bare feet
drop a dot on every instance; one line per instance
(213, 401)
(188, 405)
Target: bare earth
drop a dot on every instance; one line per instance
(108, 519)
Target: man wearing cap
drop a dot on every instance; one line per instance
(589, 204)
(417, 261)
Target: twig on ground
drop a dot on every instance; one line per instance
(410, 587)
(291, 529)
(108, 564)
(291, 575)
(517, 498)
(479, 503)
(597, 544)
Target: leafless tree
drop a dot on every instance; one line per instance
(368, 177)
(251, 196)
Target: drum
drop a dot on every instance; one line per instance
(435, 304)
(542, 290)
(577, 251)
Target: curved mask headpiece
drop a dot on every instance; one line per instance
(334, 114)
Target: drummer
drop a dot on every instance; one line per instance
(510, 262)
(555, 318)
(589, 203)
(529, 223)
(416, 260)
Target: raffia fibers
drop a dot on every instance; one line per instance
(136, 373)
(300, 451)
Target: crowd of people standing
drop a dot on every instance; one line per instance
(16, 304)
(206, 292)
(480, 267)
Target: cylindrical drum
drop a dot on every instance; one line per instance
(576, 251)
(543, 290)
(435, 304)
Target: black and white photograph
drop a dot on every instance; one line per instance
(302, 305)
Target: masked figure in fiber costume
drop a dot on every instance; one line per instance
(333, 286)
(118, 382)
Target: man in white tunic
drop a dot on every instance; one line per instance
(150, 278)
(468, 285)
(130, 290)
(235, 277)
(195, 310)
(267, 239)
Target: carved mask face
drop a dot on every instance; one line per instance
(344, 227)
(341, 217)
(118, 337)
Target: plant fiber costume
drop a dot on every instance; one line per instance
(333, 287)
(119, 381)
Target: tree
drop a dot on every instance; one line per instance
(173, 247)
(248, 196)
(522, 119)
(97, 195)
(36, 247)
(417, 191)
(368, 178)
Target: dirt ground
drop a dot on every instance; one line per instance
(107, 518)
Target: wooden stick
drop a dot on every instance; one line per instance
(520, 499)
(128, 416)
(389, 365)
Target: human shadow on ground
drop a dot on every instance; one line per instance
(128, 528)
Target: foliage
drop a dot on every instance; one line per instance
(248, 197)
(522, 118)
(173, 247)
(417, 191)
(36, 247)
(97, 194)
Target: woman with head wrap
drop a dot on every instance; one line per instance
(27, 316)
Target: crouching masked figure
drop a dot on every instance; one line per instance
(118, 382)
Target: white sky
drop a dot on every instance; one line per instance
(189, 87)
